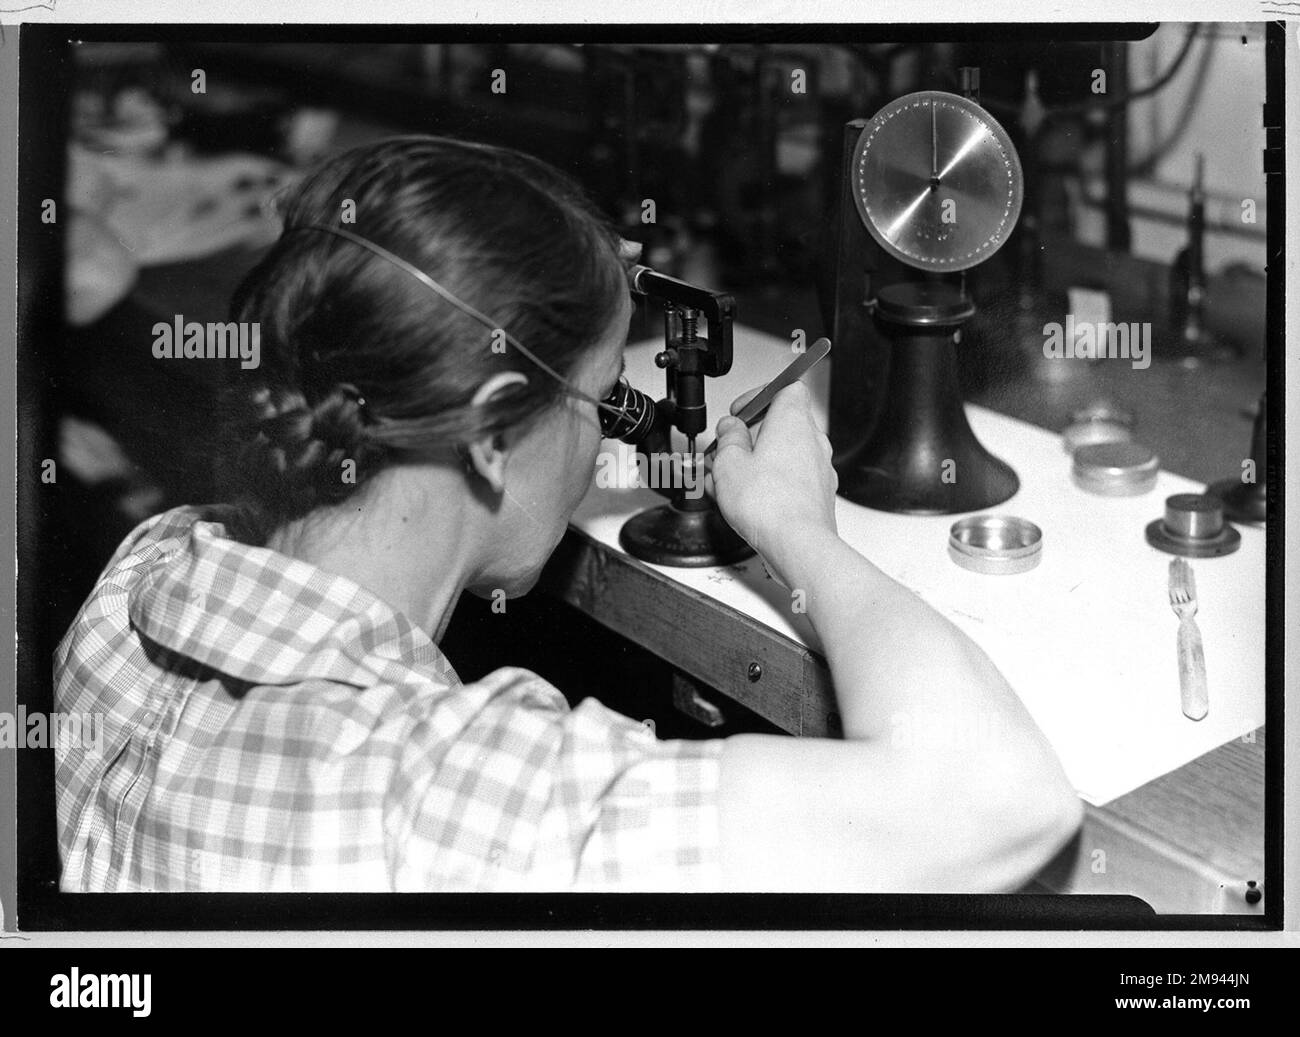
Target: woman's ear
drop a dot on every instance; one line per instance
(487, 455)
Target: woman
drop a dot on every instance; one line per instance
(278, 714)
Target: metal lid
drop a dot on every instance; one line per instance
(1090, 433)
(995, 545)
(1101, 410)
(1116, 469)
(1099, 422)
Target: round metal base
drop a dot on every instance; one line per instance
(1227, 541)
(667, 535)
(1242, 502)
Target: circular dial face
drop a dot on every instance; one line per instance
(937, 181)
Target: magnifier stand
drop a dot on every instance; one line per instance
(686, 533)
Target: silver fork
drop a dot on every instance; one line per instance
(1191, 655)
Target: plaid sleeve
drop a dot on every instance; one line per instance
(629, 812)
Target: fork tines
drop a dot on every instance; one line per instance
(1182, 581)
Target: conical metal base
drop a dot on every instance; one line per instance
(911, 474)
(922, 458)
(686, 537)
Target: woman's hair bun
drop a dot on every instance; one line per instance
(296, 450)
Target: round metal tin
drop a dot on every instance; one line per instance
(1116, 469)
(995, 545)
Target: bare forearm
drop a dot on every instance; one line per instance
(899, 667)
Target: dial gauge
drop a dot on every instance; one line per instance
(937, 181)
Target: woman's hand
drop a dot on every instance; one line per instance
(778, 486)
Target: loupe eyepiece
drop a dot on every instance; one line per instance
(628, 415)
